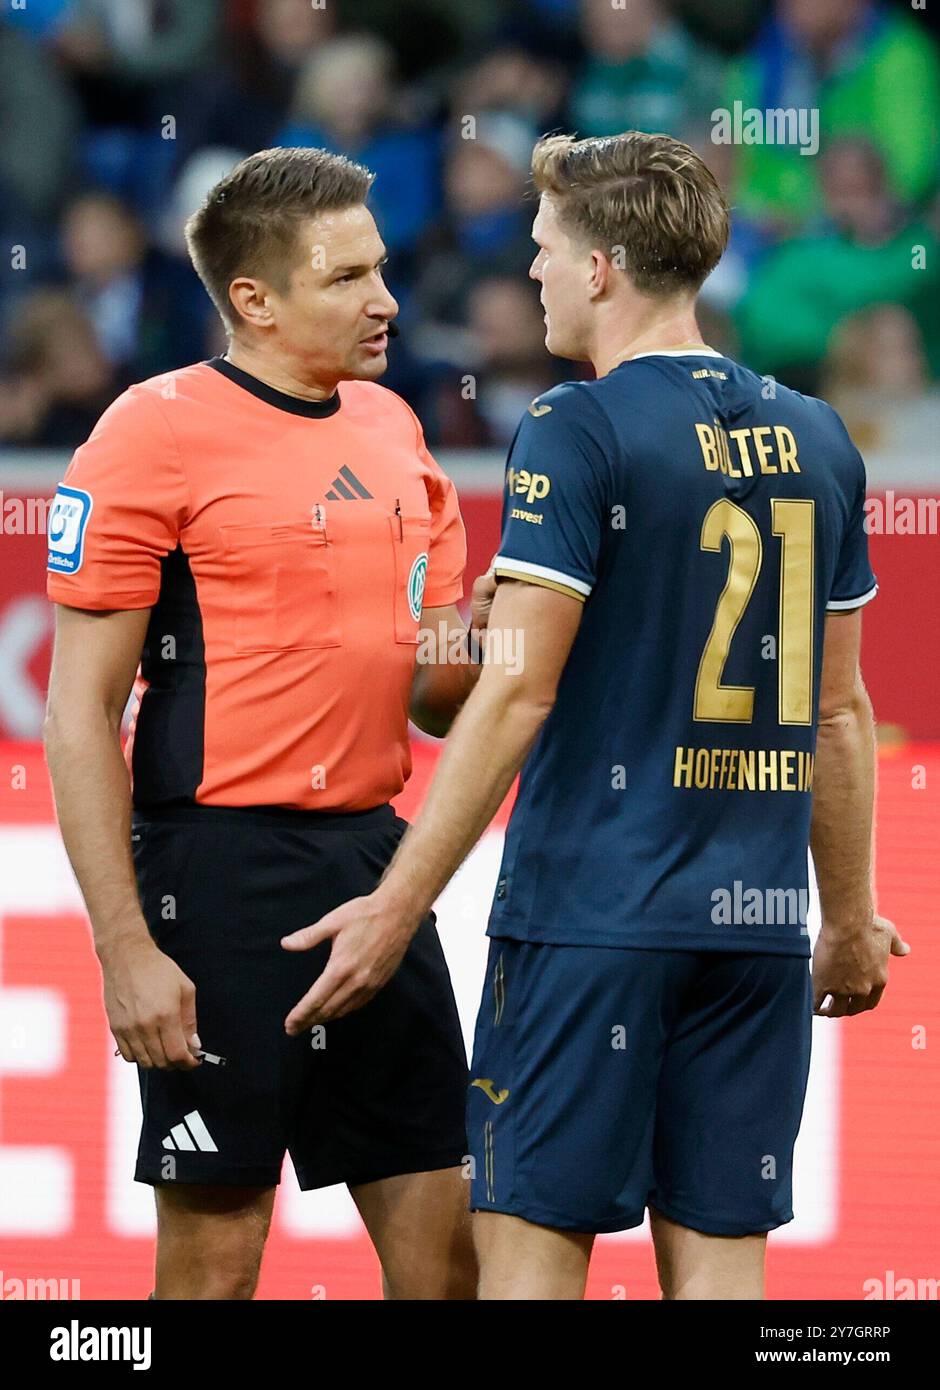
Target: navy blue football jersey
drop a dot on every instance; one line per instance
(708, 520)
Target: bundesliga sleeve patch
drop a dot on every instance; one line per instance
(68, 517)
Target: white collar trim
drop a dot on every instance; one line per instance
(678, 352)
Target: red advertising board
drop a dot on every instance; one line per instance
(865, 1192)
(902, 627)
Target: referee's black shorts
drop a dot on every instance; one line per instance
(377, 1093)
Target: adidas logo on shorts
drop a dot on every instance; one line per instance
(191, 1134)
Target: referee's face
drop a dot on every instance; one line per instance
(333, 319)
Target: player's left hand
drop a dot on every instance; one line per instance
(369, 941)
(481, 600)
(850, 972)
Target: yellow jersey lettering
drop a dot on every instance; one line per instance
(709, 447)
(682, 773)
(786, 449)
(740, 438)
(764, 448)
(739, 769)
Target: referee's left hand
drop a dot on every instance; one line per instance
(369, 941)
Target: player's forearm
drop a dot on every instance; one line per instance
(486, 748)
(93, 802)
(841, 827)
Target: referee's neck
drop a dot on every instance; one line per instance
(282, 376)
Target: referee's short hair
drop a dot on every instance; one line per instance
(649, 202)
(249, 222)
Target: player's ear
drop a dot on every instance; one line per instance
(251, 302)
(600, 274)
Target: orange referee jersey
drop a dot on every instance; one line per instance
(286, 549)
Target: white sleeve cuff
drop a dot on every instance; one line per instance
(836, 605)
(523, 569)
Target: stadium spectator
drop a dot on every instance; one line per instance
(38, 117)
(346, 101)
(867, 254)
(58, 381)
(148, 310)
(201, 171)
(643, 71)
(245, 99)
(876, 376)
(426, 34)
(139, 41)
(398, 90)
(511, 79)
(748, 241)
(485, 226)
(868, 71)
(131, 63)
(507, 362)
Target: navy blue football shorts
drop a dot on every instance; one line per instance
(377, 1093)
(606, 1080)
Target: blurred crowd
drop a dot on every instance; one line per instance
(119, 115)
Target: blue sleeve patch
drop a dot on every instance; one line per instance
(68, 517)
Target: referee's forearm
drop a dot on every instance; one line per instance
(93, 804)
(438, 693)
(843, 808)
(447, 669)
(486, 748)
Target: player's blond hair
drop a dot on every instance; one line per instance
(249, 222)
(647, 201)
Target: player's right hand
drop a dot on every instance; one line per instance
(151, 1007)
(850, 972)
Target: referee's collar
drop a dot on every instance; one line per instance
(313, 410)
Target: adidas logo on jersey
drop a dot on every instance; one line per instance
(191, 1135)
(346, 486)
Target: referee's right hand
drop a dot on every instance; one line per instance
(151, 1006)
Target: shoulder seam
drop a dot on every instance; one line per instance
(175, 442)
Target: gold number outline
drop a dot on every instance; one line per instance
(787, 658)
(715, 544)
(791, 651)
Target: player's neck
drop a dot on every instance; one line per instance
(276, 374)
(668, 332)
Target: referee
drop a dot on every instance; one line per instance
(259, 539)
